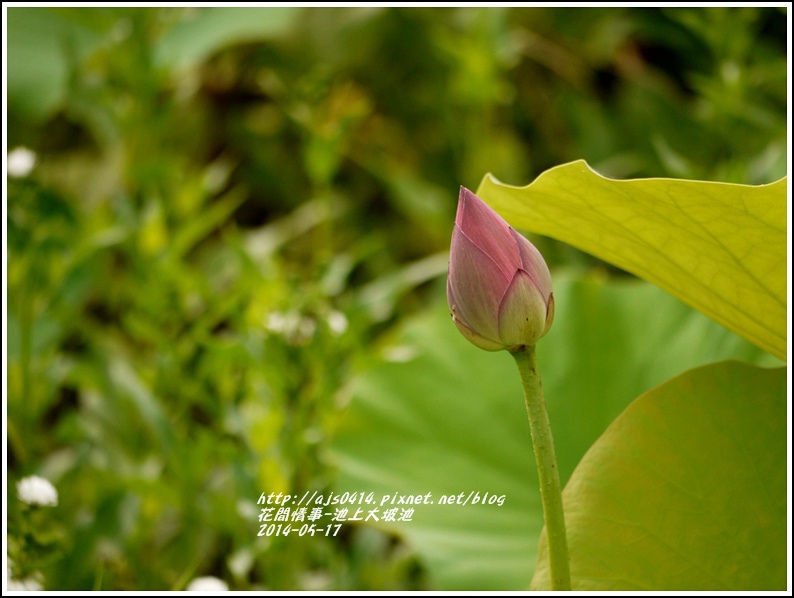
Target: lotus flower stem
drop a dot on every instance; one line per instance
(500, 298)
(548, 474)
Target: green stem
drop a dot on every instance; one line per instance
(548, 474)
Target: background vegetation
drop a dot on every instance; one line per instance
(231, 208)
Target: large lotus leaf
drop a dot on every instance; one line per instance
(44, 44)
(686, 490)
(208, 30)
(719, 247)
(435, 414)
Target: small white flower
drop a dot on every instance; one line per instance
(276, 322)
(294, 327)
(207, 584)
(337, 322)
(24, 585)
(400, 353)
(35, 490)
(29, 584)
(21, 161)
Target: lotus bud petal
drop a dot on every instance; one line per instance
(499, 287)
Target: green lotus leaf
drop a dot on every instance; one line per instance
(719, 247)
(686, 490)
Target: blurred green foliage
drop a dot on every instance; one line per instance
(230, 207)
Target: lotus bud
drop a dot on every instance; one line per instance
(498, 287)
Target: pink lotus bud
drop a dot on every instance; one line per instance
(499, 287)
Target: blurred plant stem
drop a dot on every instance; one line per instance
(548, 473)
(21, 426)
